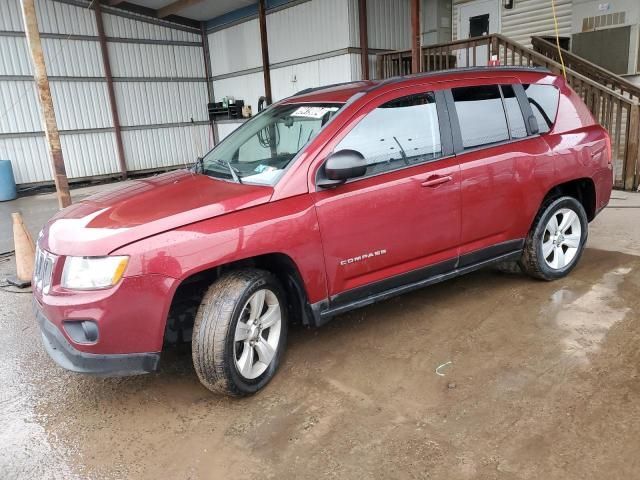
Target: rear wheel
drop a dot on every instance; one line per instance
(556, 241)
(240, 332)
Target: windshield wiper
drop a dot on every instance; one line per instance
(234, 171)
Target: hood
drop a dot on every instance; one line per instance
(138, 209)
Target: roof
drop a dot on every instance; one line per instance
(342, 92)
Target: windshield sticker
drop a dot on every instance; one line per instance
(313, 112)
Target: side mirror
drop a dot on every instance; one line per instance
(533, 124)
(341, 166)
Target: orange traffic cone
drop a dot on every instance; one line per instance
(25, 253)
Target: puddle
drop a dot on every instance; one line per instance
(586, 319)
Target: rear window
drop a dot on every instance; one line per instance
(544, 104)
(481, 115)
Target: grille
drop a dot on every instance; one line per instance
(43, 270)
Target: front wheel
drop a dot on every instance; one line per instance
(556, 240)
(240, 332)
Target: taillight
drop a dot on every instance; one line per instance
(609, 154)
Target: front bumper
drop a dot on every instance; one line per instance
(108, 365)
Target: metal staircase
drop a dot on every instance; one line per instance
(613, 101)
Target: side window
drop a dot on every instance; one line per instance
(481, 115)
(544, 103)
(517, 128)
(401, 132)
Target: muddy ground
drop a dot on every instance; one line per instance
(543, 383)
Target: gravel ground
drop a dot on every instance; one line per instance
(540, 381)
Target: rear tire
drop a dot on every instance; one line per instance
(240, 332)
(556, 240)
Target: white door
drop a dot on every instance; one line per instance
(475, 19)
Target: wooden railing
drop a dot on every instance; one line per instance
(578, 64)
(616, 108)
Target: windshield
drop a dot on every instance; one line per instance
(261, 149)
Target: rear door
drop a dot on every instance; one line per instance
(401, 221)
(499, 161)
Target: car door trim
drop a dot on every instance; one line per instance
(415, 279)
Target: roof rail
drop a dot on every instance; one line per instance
(501, 68)
(323, 87)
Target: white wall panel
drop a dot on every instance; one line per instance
(14, 57)
(535, 17)
(20, 111)
(142, 60)
(28, 157)
(235, 48)
(148, 60)
(89, 154)
(224, 129)
(81, 105)
(124, 27)
(189, 61)
(248, 87)
(308, 29)
(309, 75)
(72, 58)
(55, 17)
(389, 24)
(165, 147)
(356, 67)
(11, 16)
(154, 103)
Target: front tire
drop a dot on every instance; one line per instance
(556, 240)
(240, 332)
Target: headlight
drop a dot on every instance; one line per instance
(89, 273)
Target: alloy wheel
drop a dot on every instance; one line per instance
(561, 239)
(257, 334)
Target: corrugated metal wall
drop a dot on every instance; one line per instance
(235, 48)
(310, 28)
(311, 44)
(159, 81)
(388, 24)
(528, 18)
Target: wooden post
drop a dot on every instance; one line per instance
(364, 39)
(262, 20)
(631, 159)
(415, 36)
(46, 102)
(110, 91)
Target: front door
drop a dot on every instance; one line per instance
(401, 220)
(477, 19)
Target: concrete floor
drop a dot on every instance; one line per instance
(543, 383)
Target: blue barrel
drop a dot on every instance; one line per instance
(7, 182)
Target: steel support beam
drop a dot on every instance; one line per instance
(415, 36)
(209, 74)
(46, 102)
(262, 20)
(364, 39)
(122, 161)
(176, 7)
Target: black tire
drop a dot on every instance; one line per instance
(215, 326)
(532, 261)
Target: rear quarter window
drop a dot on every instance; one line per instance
(544, 104)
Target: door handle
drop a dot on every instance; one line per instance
(435, 180)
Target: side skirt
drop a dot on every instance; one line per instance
(351, 300)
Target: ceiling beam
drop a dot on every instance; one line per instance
(150, 12)
(176, 7)
(112, 3)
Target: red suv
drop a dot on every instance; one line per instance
(327, 201)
